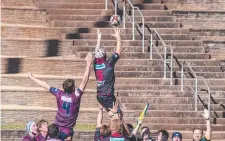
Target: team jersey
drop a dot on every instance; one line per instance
(53, 139)
(204, 139)
(29, 138)
(104, 73)
(115, 137)
(68, 107)
(39, 137)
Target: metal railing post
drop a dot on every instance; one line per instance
(133, 23)
(182, 76)
(124, 14)
(209, 102)
(151, 45)
(106, 4)
(171, 66)
(165, 60)
(143, 35)
(196, 94)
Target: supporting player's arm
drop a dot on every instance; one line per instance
(118, 39)
(39, 82)
(100, 116)
(208, 125)
(98, 41)
(87, 72)
(134, 132)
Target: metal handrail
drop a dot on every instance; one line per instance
(196, 86)
(133, 21)
(152, 31)
(143, 36)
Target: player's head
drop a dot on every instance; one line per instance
(53, 131)
(145, 133)
(42, 126)
(105, 130)
(31, 127)
(116, 126)
(100, 55)
(197, 134)
(69, 86)
(176, 136)
(163, 135)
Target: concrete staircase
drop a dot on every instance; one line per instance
(206, 23)
(51, 38)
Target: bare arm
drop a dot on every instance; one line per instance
(100, 116)
(87, 72)
(134, 132)
(98, 41)
(39, 82)
(208, 124)
(118, 39)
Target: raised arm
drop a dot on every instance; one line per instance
(98, 40)
(100, 116)
(87, 72)
(39, 82)
(134, 132)
(118, 39)
(208, 125)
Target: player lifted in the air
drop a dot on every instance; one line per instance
(68, 101)
(104, 72)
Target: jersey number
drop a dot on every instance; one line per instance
(99, 74)
(66, 107)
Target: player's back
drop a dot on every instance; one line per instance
(104, 72)
(68, 107)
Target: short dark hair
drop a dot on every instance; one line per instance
(53, 131)
(197, 129)
(39, 124)
(144, 127)
(164, 132)
(68, 85)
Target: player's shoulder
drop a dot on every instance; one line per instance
(204, 139)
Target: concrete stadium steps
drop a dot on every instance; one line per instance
(18, 3)
(93, 6)
(56, 81)
(145, 83)
(36, 47)
(208, 32)
(109, 12)
(129, 37)
(199, 14)
(25, 97)
(126, 30)
(107, 18)
(28, 16)
(138, 55)
(137, 42)
(105, 24)
(42, 32)
(88, 114)
(97, 1)
(14, 31)
(24, 65)
(89, 135)
(176, 49)
(197, 6)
